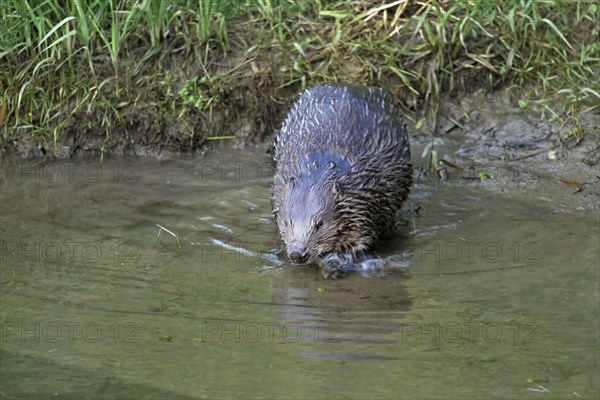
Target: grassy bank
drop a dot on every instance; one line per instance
(121, 76)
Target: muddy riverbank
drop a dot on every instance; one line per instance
(500, 145)
(486, 139)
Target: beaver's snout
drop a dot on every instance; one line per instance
(297, 253)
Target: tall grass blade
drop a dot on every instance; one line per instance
(61, 23)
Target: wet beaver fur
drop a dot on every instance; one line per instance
(342, 171)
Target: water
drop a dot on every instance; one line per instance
(143, 279)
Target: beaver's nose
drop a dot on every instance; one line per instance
(297, 253)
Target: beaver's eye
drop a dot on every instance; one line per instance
(318, 225)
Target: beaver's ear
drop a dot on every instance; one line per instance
(338, 190)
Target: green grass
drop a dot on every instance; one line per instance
(61, 58)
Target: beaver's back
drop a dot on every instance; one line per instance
(354, 122)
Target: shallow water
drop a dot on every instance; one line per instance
(143, 279)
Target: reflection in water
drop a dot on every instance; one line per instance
(356, 309)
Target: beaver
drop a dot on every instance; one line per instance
(342, 171)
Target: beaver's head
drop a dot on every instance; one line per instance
(307, 219)
(312, 212)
